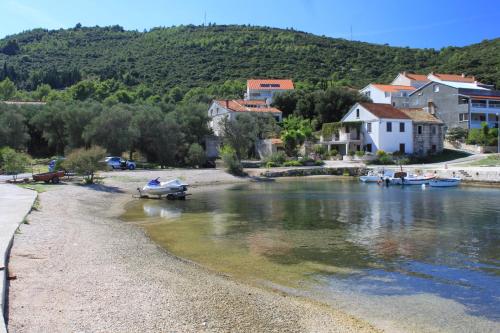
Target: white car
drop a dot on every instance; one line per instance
(120, 163)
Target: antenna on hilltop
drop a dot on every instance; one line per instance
(351, 33)
(205, 19)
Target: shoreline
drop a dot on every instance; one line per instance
(48, 267)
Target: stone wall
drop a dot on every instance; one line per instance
(422, 143)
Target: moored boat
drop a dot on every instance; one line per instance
(445, 182)
(403, 178)
(373, 177)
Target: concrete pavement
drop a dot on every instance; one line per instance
(15, 204)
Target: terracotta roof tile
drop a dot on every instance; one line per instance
(420, 115)
(454, 77)
(416, 77)
(269, 84)
(392, 88)
(240, 105)
(384, 111)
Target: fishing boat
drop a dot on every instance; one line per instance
(172, 189)
(403, 178)
(445, 182)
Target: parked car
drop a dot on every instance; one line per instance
(120, 163)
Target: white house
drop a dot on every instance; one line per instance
(219, 109)
(410, 79)
(386, 93)
(266, 89)
(372, 127)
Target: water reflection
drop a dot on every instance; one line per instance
(387, 241)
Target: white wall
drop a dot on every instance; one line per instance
(376, 95)
(389, 141)
(401, 80)
(216, 114)
(263, 94)
(379, 137)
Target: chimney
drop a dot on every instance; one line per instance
(463, 74)
(227, 104)
(404, 73)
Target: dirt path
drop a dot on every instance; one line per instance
(79, 269)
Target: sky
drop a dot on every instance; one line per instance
(418, 23)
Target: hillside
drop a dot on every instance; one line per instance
(192, 56)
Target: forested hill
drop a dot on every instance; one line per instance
(192, 56)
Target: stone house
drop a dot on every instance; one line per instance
(428, 132)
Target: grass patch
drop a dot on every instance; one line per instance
(39, 188)
(492, 160)
(445, 156)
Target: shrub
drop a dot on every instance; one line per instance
(292, 163)
(360, 153)
(196, 155)
(14, 162)
(277, 158)
(86, 162)
(385, 160)
(319, 150)
(457, 134)
(381, 153)
(231, 162)
(319, 163)
(271, 165)
(351, 153)
(334, 152)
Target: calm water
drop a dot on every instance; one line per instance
(403, 258)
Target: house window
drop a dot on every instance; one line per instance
(433, 130)
(433, 148)
(357, 113)
(387, 94)
(419, 129)
(347, 129)
(367, 93)
(369, 147)
(402, 149)
(463, 117)
(401, 127)
(436, 88)
(389, 126)
(369, 127)
(463, 100)
(495, 104)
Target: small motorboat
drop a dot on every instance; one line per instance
(172, 189)
(445, 182)
(373, 177)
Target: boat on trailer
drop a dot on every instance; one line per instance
(445, 182)
(172, 189)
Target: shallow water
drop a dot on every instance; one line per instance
(404, 258)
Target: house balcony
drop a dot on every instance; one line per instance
(478, 118)
(342, 138)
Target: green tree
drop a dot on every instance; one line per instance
(13, 130)
(295, 131)
(7, 89)
(86, 162)
(196, 156)
(112, 130)
(14, 162)
(50, 122)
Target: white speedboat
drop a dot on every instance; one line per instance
(445, 182)
(373, 177)
(172, 188)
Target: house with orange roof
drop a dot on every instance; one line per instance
(387, 93)
(230, 108)
(410, 79)
(265, 89)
